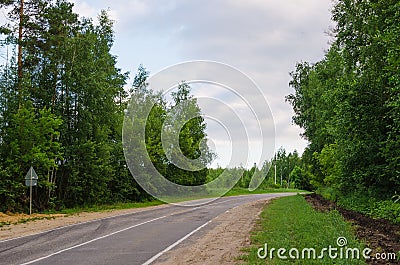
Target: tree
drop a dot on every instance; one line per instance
(301, 178)
(348, 103)
(93, 85)
(65, 70)
(25, 30)
(32, 141)
(190, 155)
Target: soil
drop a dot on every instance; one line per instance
(16, 225)
(14, 218)
(380, 235)
(227, 235)
(223, 244)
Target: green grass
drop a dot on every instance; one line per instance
(233, 192)
(290, 222)
(130, 205)
(245, 191)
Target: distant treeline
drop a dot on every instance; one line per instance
(282, 171)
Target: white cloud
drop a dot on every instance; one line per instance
(263, 38)
(85, 9)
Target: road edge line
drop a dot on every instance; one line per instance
(152, 259)
(92, 240)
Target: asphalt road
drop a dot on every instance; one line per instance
(135, 238)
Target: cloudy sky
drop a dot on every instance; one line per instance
(262, 38)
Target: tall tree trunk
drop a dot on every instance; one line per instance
(20, 32)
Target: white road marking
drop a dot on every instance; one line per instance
(155, 257)
(119, 231)
(95, 239)
(152, 259)
(140, 210)
(105, 218)
(133, 226)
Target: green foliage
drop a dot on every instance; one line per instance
(185, 120)
(285, 163)
(61, 110)
(387, 210)
(32, 141)
(396, 198)
(301, 178)
(348, 104)
(376, 208)
(245, 191)
(179, 122)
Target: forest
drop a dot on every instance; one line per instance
(348, 105)
(62, 102)
(62, 108)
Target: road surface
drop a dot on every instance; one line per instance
(134, 238)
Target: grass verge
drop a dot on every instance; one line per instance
(245, 191)
(232, 192)
(130, 205)
(291, 223)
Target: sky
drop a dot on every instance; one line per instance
(264, 39)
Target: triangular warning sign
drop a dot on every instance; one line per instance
(32, 173)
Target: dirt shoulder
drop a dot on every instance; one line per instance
(229, 233)
(223, 243)
(37, 223)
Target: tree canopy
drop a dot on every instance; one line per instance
(348, 103)
(62, 102)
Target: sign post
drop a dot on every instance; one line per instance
(31, 180)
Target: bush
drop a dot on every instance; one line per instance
(371, 206)
(387, 210)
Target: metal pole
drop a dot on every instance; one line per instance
(275, 172)
(30, 195)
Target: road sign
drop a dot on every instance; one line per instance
(31, 180)
(31, 175)
(29, 183)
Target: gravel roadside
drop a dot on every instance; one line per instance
(222, 243)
